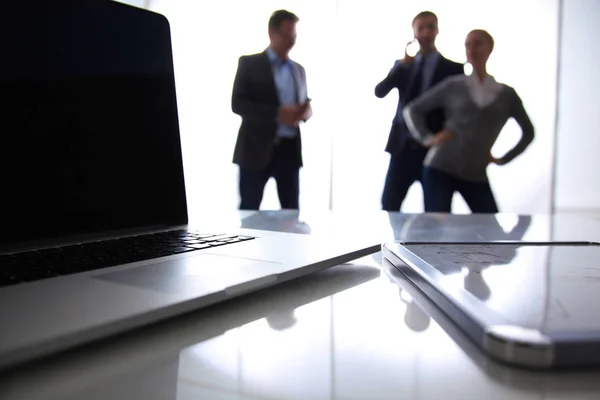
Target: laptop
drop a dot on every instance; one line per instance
(530, 304)
(94, 237)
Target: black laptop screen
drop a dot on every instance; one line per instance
(89, 136)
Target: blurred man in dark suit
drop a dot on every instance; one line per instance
(412, 76)
(269, 93)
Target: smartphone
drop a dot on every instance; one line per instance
(412, 48)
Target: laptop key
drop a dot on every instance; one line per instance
(218, 238)
(200, 246)
(194, 241)
(215, 244)
(204, 235)
(178, 250)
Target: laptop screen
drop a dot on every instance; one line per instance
(89, 136)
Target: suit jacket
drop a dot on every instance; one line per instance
(255, 99)
(400, 78)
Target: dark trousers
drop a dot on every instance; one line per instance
(283, 167)
(405, 168)
(439, 187)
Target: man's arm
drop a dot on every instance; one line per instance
(242, 103)
(305, 106)
(414, 113)
(527, 131)
(397, 78)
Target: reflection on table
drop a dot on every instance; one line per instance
(343, 333)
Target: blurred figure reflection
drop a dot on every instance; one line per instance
(441, 228)
(278, 221)
(415, 318)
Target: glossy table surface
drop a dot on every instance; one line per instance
(348, 332)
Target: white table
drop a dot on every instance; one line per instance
(344, 333)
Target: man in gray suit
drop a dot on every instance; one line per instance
(269, 93)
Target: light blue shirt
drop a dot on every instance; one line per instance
(285, 82)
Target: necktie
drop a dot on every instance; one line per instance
(414, 88)
(416, 83)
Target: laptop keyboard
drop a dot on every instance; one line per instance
(66, 260)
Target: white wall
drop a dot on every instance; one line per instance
(578, 138)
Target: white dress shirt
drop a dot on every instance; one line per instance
(483, 92)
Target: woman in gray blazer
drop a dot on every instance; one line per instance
(477, 108)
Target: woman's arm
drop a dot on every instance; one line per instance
(527, 131)
(414, 112)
